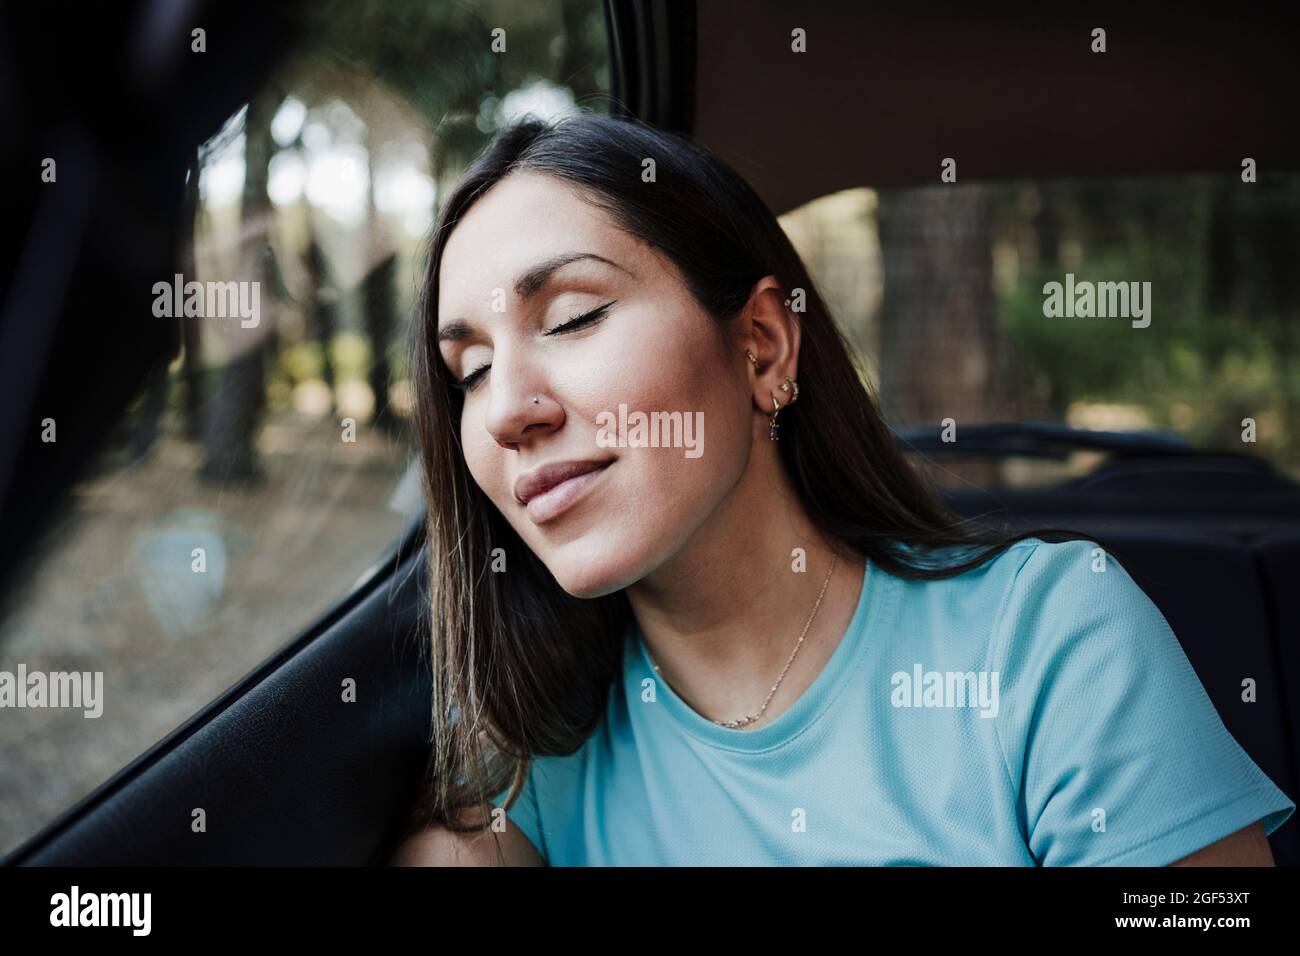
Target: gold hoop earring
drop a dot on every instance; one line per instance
(753, 361)
(789, 384)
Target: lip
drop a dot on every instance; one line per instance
(549, 490)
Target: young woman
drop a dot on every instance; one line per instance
(690, 604)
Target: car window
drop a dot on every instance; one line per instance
(1160, 302)
(265, 470)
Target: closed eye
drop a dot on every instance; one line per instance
(577, 322)
(468, 381)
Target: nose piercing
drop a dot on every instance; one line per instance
(536, 399)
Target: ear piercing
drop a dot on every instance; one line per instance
(788, 385)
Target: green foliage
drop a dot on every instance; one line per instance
(1221, 345)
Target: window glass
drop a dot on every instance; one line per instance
(946, 294)
(265, 470)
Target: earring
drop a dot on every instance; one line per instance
(771, 420)
(788, 384)
(753, 361)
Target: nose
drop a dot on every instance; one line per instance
(512, 414)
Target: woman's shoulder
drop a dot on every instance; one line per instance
(1031, 600)
(1028, 565)
(1074, 580)
(1072, 622)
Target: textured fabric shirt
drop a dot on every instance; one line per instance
(1035, 710)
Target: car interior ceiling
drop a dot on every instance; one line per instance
(1215, 542)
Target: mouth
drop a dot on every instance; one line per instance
(559, 488)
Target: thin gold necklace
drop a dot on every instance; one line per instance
(753, 717)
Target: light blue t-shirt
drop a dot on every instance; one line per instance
(1056, 721)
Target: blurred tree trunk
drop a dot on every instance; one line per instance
(380, 318)
(941, 354)
(1048, 226)
(234, 412)
(154, 405)
(322, 309)
(377, 305)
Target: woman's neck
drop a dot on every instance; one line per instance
(723, 615)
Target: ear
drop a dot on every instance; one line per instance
(770, 329)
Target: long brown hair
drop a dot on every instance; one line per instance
(520, 667)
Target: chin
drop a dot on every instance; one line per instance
(589, 582)
(590, 572)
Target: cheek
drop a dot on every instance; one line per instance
(483, 458)
(675, 488)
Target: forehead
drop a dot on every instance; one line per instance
(521, 220)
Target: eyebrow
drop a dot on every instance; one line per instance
(527, 285)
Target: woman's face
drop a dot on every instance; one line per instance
(505, 291)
